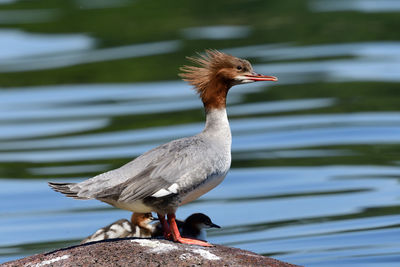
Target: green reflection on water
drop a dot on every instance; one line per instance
(149, 21)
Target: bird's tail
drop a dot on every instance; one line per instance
(65, 188)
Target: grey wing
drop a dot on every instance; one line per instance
(169, 175)
(159, 172)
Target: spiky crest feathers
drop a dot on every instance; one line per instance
(204, 76)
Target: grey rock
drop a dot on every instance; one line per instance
(146, 252)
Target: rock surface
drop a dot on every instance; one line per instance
(146, 252)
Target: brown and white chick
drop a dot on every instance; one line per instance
(139, 226)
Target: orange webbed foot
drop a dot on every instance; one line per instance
(190, 241)
(177, 236)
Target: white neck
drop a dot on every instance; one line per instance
(217, 124)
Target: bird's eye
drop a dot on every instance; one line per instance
(239, 67)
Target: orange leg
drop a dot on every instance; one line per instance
(164, 224)
(177, 236)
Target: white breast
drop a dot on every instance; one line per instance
(212, 182)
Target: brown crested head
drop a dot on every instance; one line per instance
(216, 73)
(141, 219)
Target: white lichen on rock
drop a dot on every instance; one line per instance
(156, 246)
(205, 254)
(185, 256)
(47, 262)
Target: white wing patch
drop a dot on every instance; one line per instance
(173, 189)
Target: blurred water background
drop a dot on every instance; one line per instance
(85, 86)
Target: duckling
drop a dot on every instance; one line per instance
(139, 226)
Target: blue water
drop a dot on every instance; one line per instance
(314, 178)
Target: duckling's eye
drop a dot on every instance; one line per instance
(239, 67)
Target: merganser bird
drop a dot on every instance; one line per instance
(141, 226)
(182, 170)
